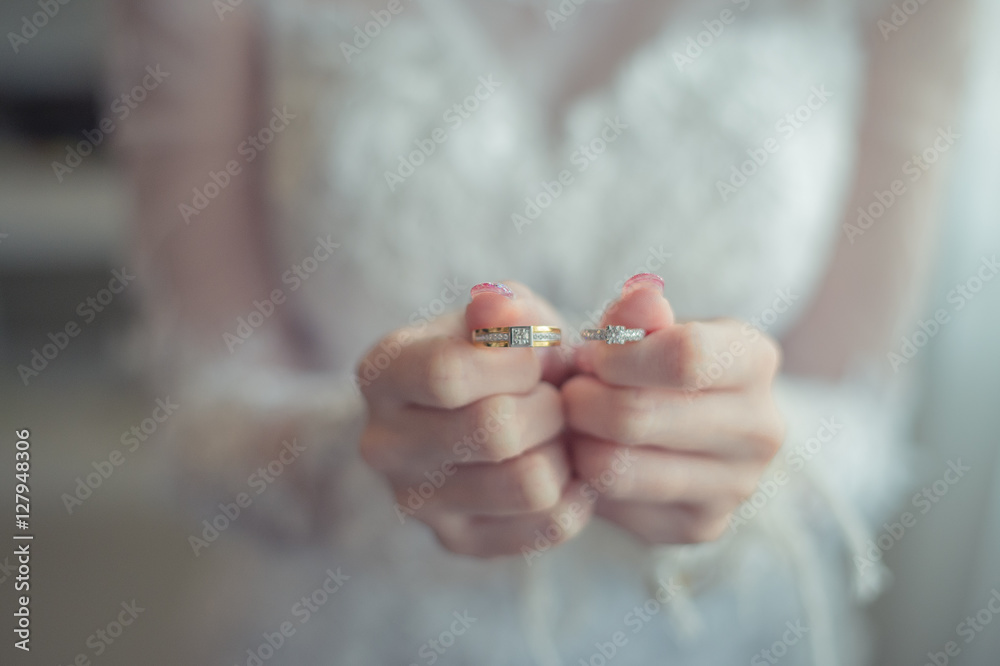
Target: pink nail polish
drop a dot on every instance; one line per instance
(491, 288)
(643, 281)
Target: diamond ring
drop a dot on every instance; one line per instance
(614, 335)
(517, 336)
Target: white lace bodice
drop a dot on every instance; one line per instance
(657, 189)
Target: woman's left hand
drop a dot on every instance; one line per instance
(673, 431)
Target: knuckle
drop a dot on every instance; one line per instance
(768, 435)
(744, 488)
(595, 461)
(446, 375)
(712, 530)
(531, 486)
(763, 446)
(403, 497)
(470, 544)
(690, 356)
(548, 394)
(632, 419)
(559, 529)
(769, 356)
(699, 529)
(378, 358)
(495, 422)
(452, 539)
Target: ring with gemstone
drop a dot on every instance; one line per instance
(614, 335)
(517, 336)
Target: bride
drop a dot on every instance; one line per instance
(706, 173)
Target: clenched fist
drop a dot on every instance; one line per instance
(472, 439)
(700, 444)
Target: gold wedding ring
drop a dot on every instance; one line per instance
(517, 336)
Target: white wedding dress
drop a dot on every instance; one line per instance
(651, 200)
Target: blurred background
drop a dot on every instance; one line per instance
(59, 242)
(62, 235)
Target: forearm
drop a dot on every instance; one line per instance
(202, 259)
(879, 270)
(202, 253)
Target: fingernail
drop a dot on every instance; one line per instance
(491, 288)
(643, 281)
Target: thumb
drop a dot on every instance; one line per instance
(513, 304)
(642, 305)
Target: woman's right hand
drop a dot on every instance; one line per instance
(471, 439)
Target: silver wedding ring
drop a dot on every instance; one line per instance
(614, 335)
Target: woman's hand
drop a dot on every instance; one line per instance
(681, 423)
(472, 439)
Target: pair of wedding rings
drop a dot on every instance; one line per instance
(549, 336)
